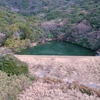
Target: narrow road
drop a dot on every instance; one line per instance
(26, 58)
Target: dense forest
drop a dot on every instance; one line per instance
(27, 21)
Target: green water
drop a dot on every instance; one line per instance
(58, 48)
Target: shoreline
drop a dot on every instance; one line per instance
(43, 41)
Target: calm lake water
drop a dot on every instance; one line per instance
(58, 48)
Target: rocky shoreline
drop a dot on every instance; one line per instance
(42, 41)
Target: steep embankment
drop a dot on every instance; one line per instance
(63, 77)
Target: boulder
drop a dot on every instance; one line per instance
(2, 38)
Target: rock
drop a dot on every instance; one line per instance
(33, 44)
(5, 50)
(2, 38)
(98, 52)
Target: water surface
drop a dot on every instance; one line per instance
(58, 48)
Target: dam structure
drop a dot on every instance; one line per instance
(80, 68)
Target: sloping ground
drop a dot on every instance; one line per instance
(44, 90)
(85, 71)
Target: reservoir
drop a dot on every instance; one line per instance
(58, 48)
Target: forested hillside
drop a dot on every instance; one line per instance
(76, 21)
(16, 30)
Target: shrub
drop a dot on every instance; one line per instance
(16, 44)
(11, 87)
(12, 65)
